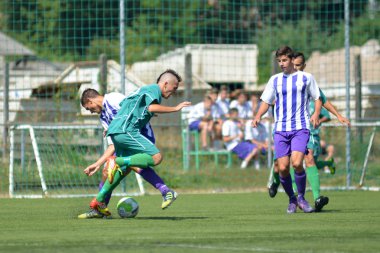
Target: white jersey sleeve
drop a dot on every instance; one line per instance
(111, 105)
(269, 93)
(313, 88)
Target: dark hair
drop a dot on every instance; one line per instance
(285, 50)
(87, 94)
(170, 71)
(224, 87)
(299, 54)
(234, 109)
(207, 97)
(213, 91)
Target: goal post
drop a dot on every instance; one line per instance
(48, 161)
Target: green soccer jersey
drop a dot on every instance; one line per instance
(133, 113)
(324, 113)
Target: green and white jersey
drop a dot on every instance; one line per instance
(324, 113)
(133, 113)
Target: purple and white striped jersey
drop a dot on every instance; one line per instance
(291, 93)
(111, 105)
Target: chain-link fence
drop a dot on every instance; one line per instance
(51, 51)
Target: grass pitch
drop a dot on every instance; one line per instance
(249, 222)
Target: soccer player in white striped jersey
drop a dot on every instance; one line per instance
(107, 107)
(291, 91)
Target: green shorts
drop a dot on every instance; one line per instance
(131, 143)
(314, 144)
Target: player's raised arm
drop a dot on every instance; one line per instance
(157, 108)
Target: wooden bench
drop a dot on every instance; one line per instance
(191, 147)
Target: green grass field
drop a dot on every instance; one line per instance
(249, 222)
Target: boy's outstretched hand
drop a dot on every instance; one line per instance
(182, 105)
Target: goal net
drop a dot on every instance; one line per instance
(48, 161)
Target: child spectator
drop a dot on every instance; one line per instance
(233, 136)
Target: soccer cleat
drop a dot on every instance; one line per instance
(112, 168)
(168, 199)
(332, 167)
(100, 207)
(320, 203)
(90, 215)
(292, 207)
(272, 190)
(304, 205)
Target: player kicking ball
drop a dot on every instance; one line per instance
(291, 91)
(132, 148)
(107, 107)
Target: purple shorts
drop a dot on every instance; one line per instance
(243, 149)
(194, 126)
(287, 142)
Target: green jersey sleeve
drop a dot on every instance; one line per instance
(322, 97)
(324, 113)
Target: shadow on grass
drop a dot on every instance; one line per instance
(170, 218)
(329, 211)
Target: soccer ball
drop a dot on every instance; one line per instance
(127, 207)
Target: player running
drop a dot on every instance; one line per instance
(313, 145)
(291, 90)
(132, 148)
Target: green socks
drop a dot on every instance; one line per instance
(108, 188)
(292, 171)
(312, 176)
(276, 177)
(138, 160)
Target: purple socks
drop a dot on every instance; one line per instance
(287, 185)
(150, 176)
(300, 179)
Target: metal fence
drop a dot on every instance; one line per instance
(51, 51)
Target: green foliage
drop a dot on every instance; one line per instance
(83, 29)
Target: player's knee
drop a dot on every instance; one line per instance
(282, 168)
(157, 158)
(330, 149)
(297, 165)
(309, 160)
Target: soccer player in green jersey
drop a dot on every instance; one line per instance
(132, 148)
(314, 149)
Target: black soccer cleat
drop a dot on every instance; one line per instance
(272, 190)
(320, 203)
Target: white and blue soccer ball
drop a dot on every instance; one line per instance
(127, 207)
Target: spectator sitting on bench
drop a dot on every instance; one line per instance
(257, 136)
(223, 100)
(201, 119)
(254, 103)
(218, 117)
(244, 108)
(233, 136)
